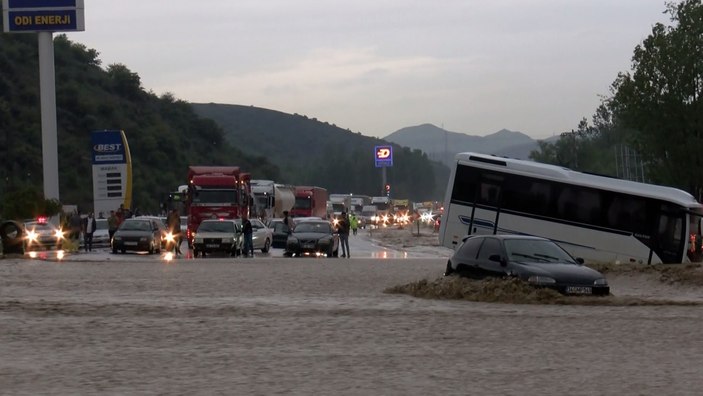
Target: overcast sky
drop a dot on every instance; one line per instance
(375, 66)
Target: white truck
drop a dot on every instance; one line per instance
(340, 203)
(271, 199)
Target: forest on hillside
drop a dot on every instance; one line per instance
(312, 152)
(164, 134)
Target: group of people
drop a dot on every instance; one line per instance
(82, 225)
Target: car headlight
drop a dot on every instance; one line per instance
(143, 239)
(292, 240)
(116, 238)
(198, 240)
(541, 280)
(325, 240)
(32, 236)
(600, 282)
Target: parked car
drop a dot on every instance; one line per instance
(42, 234)
(140, 234)
(101, 235)
(218, 236)
(538, 261)
(262, 236)
(312, 237)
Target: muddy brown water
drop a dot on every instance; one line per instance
(325, 327)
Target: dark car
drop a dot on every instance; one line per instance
(538, 261)
(141, 234)
(312, 237)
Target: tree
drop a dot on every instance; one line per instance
(660, 100)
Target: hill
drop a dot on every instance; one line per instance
(442, 145)
(164, 134)
(311, 152)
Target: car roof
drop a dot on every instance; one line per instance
(218, 221)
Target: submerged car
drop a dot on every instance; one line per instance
(538, 261)
(312, 237)
(145, 234)
(223, 236)
(42, 234)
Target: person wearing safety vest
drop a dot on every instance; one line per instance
(354, 223)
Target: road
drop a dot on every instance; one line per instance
(139, 325)
(361, 246)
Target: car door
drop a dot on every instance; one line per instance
(464, 260)
(486, 266)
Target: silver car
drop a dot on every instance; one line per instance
(262, 236)
(224, 236)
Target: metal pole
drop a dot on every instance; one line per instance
(47, 87)
(383, 184)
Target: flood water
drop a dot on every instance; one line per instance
(320, 326)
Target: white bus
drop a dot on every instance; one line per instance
(597, 218)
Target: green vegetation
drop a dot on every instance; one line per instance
(310, 152)
(164, 134)
(655, 110)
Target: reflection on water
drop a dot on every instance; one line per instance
(386, 254)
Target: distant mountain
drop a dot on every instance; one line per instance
(311, 152)
(441, 145)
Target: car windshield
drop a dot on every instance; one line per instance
(536, 251)
(313, 227)
(216, 226)
(136, 225)
(101, 224)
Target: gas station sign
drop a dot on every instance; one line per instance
(31, 16)
(383, 156)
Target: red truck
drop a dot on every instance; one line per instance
(310, 201)
(216, 192)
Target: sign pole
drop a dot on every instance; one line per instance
(47, 88)
(383, 184)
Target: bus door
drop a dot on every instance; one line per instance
(670, 240)
(489, 196)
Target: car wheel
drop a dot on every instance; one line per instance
(203, 253)
(267, 246)
(123, 251)
(151, 248)
(330, 252)
(449, 270)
